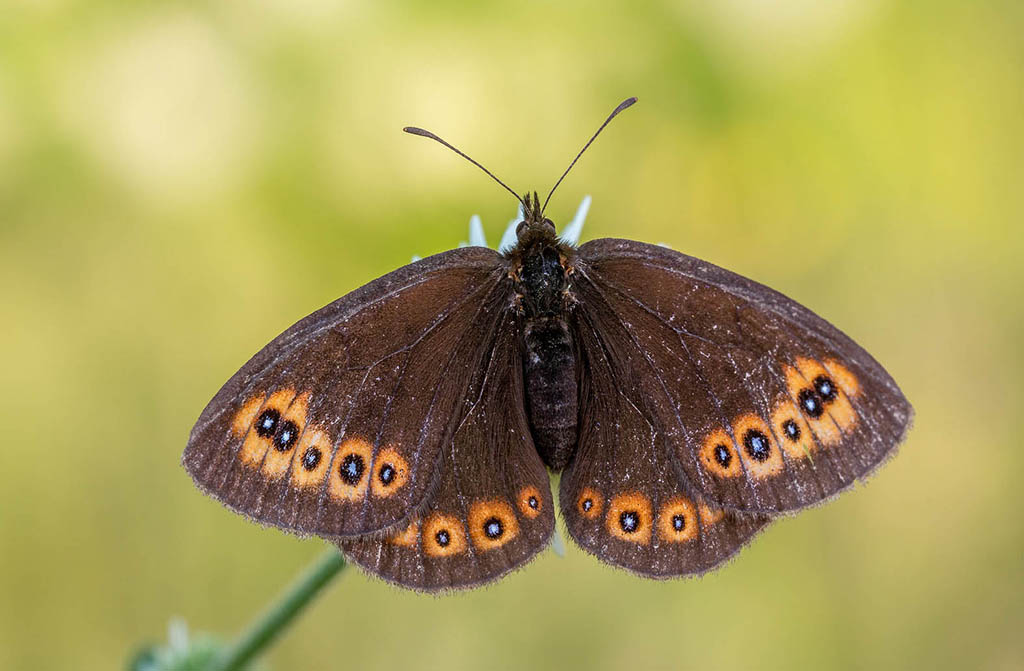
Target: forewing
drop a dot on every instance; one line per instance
(493, 510)
(300, 436)
(764, 405)
(621, 496)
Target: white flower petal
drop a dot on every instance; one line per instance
(476, 232)
(571, 233)
(508, 239)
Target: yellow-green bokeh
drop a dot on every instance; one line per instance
(179, 182)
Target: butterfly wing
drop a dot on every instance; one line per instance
(493, 510)
(621, 496)
(336, 426)
(764, 406)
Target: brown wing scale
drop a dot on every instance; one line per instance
(370, 382)
(621, 496)
(493, 509)
(765, 406)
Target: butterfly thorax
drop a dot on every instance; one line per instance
(540, 266)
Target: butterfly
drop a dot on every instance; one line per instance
(415, 421)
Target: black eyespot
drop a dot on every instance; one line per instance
(826, 388)
(792, 430)
(629, 520)
(810, 403)
(587, 505)
(533, 502)
(442, 538)
(266, 423)
(723, 455)
(679, 522)
(387, 474)
(286, 436)
(493, 528)
(351, 469)
(311, 458)
(757, 445)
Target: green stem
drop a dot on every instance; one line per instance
(279, 615)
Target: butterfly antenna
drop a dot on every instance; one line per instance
(426, 133)
(623, 105)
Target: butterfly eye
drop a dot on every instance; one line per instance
(590, 503)
(351, 469)
(266, 423)
(629, 521)
(287, 434)
(795, 437)
(492, 524)
(810, 403)
(443, 535)
(825, 388)
(827, 379)
(529, 502)
(311, 458)
(757, 445)
(719, 456)
(351, 464)
(761, 458)
(493, 528)
(392, 472)
(677, 521)
(629, 518)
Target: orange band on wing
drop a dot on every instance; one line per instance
(350, 473)
(718, 454)
(846, 380)
(282, 444)
(708, 515)
(391, 472)
(312, 458)
(492, 523)
(677, 521)
(821, 399)
(792, 430)
(443, 535)
(629, 518)
(760, 452)
(589, 503)
(247, 415)
(261, 433)
(530, 502)
(407, 536)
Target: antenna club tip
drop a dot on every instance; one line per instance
(413, 130)
(628, 102)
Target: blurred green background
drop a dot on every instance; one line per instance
(179, 182)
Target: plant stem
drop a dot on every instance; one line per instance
(279, 615)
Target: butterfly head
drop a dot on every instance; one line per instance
(534, 224)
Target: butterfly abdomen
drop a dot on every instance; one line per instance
(551, 389)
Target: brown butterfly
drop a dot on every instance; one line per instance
(415, 421)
